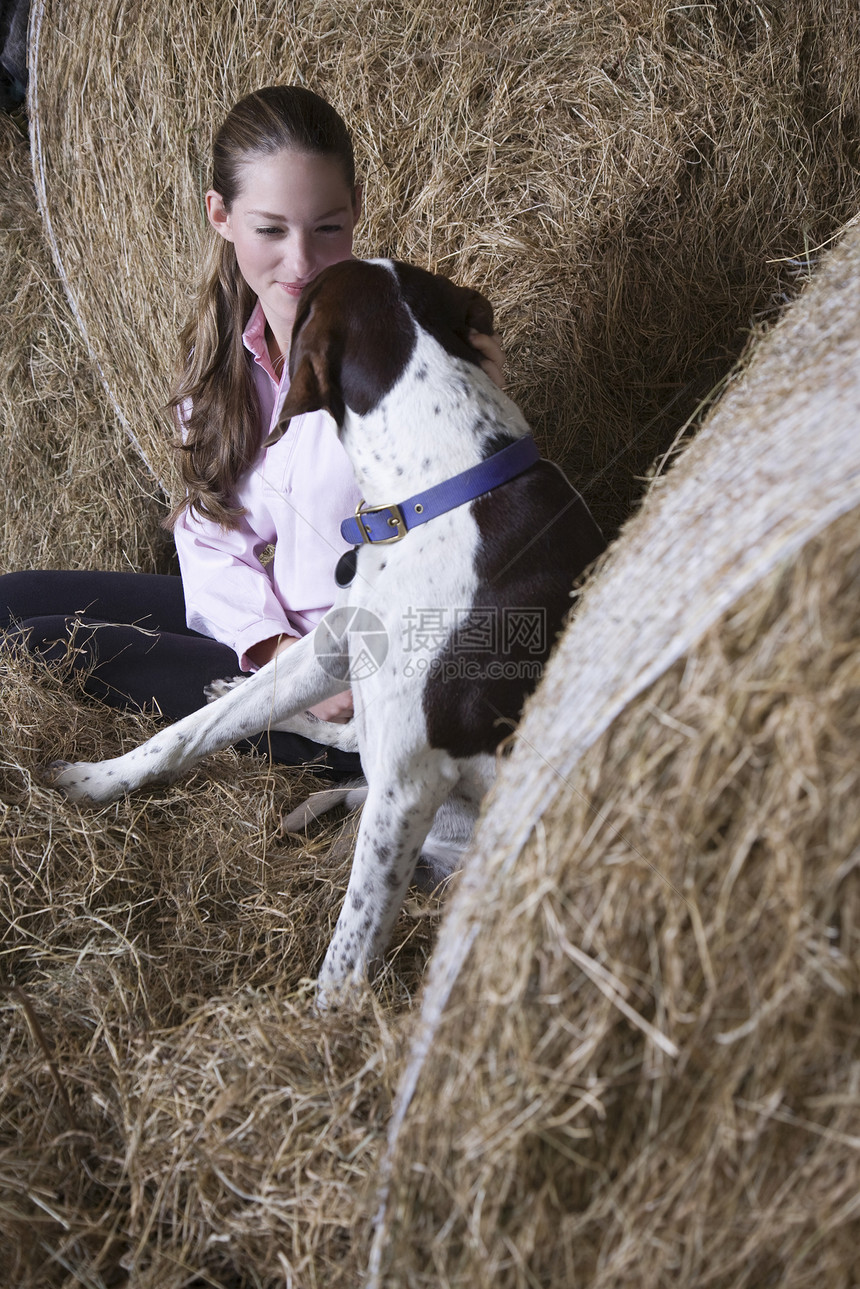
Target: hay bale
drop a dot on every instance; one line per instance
(630, 183)
(638, 1057)
(76, 494)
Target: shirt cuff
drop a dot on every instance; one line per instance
(254, 635)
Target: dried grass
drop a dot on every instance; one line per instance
(172, 1110)
(630, 181)
(76, 493)
(639, 1055)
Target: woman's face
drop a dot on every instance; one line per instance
(293, 216)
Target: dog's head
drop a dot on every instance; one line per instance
(355, 331)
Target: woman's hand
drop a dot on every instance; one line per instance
(492, 355)
(338, 708)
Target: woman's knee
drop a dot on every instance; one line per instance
(19, 598)
(47, 636)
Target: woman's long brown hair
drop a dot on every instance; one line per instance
(213, 391)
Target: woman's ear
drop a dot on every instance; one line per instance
(218, 214)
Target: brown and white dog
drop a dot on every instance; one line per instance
(442, 631)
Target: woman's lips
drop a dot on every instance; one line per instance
(293, 288)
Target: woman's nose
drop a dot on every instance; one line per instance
(299, 257)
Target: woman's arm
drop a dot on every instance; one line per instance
(228, 594)
(296, 495)
(338, 708)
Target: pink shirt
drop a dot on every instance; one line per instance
(295, 496)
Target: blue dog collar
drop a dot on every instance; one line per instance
(375, 523)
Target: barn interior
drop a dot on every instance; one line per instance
(624, 1048)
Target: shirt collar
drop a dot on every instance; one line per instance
(254, 335)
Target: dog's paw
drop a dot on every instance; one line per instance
(83, 781)
(343, 983)
(219, 688)
(320, 803)
(334, 999)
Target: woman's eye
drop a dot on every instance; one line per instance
(330, 228)
(268, 232)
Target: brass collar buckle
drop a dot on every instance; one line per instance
(395, 520)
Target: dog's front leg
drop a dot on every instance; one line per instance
(291, 682)
(397, 817)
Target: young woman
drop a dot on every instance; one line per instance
(283, 205)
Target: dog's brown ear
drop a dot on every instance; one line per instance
(445, 310)
(311, 390)
(307, 392)
(479, 313)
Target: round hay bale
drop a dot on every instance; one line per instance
(76, 494)
(631, 183)
(638, 1057)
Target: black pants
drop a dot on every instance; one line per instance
(125, 634)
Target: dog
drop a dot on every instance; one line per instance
(449, 603)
